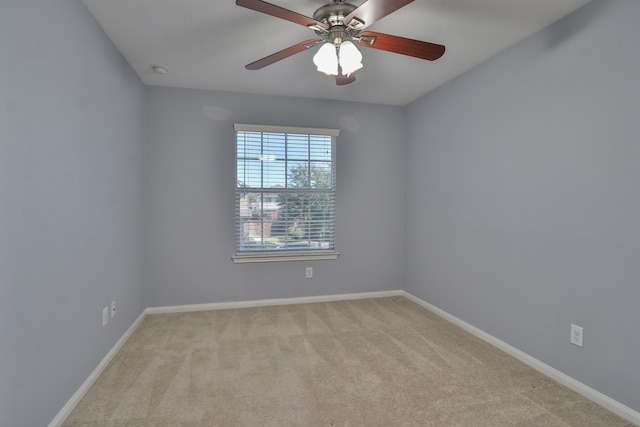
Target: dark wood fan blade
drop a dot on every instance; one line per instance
(284, 53)
(342, 80)
(401, 45)
(373, 10)
(280, 12)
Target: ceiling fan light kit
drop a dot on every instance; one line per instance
(338, 25)
(334, 60)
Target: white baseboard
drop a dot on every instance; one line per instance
(269, 302)
(580, 388)
(86, 385)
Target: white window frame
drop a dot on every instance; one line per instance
(267, 255)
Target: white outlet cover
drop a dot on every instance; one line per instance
(577, 335)
(105, 316)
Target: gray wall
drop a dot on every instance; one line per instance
(190, 192)
(523, 205)
(71, 116)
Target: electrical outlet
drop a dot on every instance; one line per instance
(105, 316)
(113, 309)
(309, 272)
(577, 335)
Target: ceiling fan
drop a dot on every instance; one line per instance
(338, 25)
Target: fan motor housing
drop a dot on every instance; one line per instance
(333, 13)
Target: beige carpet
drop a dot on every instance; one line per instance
(372, 362)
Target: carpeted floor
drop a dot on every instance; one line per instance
(371, 362)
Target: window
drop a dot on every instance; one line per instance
(285, 193)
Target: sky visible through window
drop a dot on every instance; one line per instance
(265, 160)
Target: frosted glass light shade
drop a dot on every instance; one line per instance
(350, 57)
(326, 59)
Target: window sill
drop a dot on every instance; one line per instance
(306, 256)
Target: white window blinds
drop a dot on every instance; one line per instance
(285, 193)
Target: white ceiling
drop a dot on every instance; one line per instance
(205, 44)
